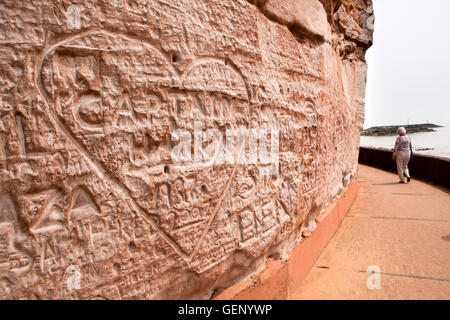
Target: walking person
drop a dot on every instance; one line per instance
(402, 154)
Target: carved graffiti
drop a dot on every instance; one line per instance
(95, 104)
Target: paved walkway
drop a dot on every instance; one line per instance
(402, 229)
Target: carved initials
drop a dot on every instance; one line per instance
(82, 205)
(49, 218)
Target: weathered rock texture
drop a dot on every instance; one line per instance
(87, 107)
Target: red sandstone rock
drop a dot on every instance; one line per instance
(92, 204)
(306, 15)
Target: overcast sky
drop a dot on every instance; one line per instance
(409, 63)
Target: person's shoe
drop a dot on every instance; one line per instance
(401, 182)
(408, 179)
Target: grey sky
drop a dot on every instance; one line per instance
(409, 63)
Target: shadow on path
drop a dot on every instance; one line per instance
(385, 184)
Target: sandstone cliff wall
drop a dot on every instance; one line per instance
(91, 203)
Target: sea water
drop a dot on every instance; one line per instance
(438, 142)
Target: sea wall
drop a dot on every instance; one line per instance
(431, 169)
(95, 98)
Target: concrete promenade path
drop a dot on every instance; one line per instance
(404, 230)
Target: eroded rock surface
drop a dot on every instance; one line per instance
(92, 205)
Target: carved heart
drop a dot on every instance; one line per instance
(118, 99)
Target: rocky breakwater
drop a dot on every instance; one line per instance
(96, 96)
(392, 130)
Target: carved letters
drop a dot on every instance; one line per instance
(89, 117)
